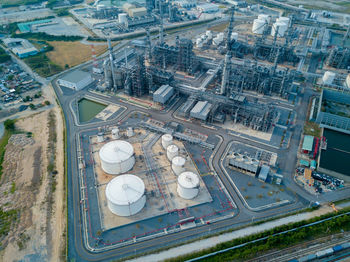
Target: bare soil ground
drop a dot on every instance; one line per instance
(72, 53)
(38, 234)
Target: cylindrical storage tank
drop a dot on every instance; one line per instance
(167, 140)
(130, 132)
(100, 137)
(115, 133)
(258, 26)
(200, 45)
(347, 81)
(125, 195)
(220, 36)
(328, 78)
(177, 164)
(203, 37)
(209, 34)
(188, 185)
(122, 18)
(234, 36)
(285, 20)
(264, 17)
(198, 41)
(172, 151)
(282, 28)
(117, 157)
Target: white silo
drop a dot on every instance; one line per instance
(188, 185)
(117, 157)
(264, 17)
(125, 195)
(172, 151)
(130, 132)
(167, 140)
(234, 36)
(283, 19)
(177, 165)
(258, 26)
(100, 137)
(209, 34)
(122, 18)
(328, 78)
(347, 81)
(115, 133)
(282, 28)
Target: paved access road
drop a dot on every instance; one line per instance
(287, 159)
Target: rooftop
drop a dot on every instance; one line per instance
(308, 143)
(75, 76)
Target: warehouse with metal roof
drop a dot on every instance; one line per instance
(201, 110)
(163, 94)
(76, 80)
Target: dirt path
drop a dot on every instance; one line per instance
(35, 189)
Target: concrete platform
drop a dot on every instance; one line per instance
(159, 201)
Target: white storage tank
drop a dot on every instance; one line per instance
(264, 17)
(282, 28)
(115, 133)
(167, 140)
(122, 18)
(198, 41)
(100, 137)
(172, 151)
(347, 81)
(125, 195)
(209, 34)
(178, 164)
(234, 36)
(283, 19)
(117, 157)
(130, 132)
(328, 78)
(188, 185)
(258, 26)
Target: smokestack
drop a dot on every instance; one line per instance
(111, 59)
(161, 40)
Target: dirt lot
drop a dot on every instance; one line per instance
(72, 53)
(35, 189)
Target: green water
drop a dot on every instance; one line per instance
(89, 109)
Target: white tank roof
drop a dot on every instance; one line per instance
(188, 180)
(167, 137)
(173, 149)
(116, 151)
(179, 161)
(125, 189)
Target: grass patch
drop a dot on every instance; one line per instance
(7, 218)
(72, 53)
(13, 187)
(9, 129)
(42, 65)
(312, 129)
(218, 28)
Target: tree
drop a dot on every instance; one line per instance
(10, 77)
(47, 102)
(10, 124)
(32, 106)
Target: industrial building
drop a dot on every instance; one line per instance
(20, 47)
(264, 173)
(308, 144)
(76, 80)
(163, 94)
(243, 162)
(201, 110)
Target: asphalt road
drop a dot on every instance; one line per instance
(77, 248)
